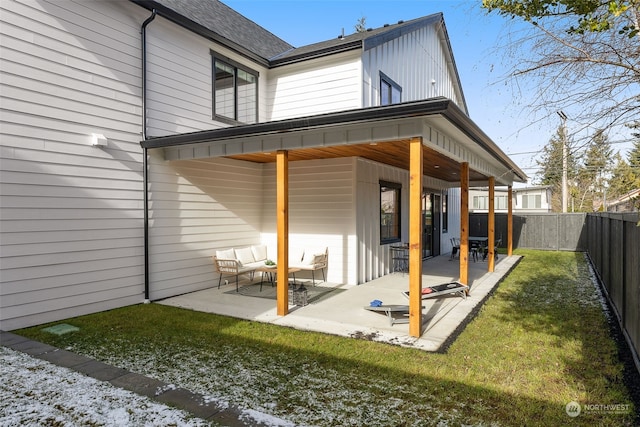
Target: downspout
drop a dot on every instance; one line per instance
(145, 166)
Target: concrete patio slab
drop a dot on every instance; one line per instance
(343, 313)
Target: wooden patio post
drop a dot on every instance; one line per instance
(282, 219)
(415, 237)
(510, 222)
(492, 225)
(464, 223)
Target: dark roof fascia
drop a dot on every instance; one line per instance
(364, 43)
(332, 50)
(437, 18)
(460, 119)
(175, 17)
(453, 61)
(394, 33)
(433, 106)
(397, 111)
(535, 187)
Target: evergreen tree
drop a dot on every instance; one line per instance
(595, 172)
(634, 157)
(623, 179)
(551, 167)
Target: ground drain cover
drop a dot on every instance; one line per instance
(61, 329)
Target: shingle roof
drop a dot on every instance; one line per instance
(218, 18)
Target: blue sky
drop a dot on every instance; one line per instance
(493, 103)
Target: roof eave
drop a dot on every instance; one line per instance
(276, 62)
(434, 106)
(397, 111)
(175, 17)
(459, 118)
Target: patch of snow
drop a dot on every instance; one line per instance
(34, 392)
(250, 415)
(596, 284)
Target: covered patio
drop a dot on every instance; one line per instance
(431, 138)
(341, 312)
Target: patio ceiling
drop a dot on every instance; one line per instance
(393, 153)
(380, 134)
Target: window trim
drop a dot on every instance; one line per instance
(527, 199)
(392, 85)
(397, 187)
(236, 66)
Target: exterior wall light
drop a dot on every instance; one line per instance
(98, 139)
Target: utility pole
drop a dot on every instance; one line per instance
(565, 190)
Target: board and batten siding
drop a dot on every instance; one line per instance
(454, 209)
(196, 208)
(416, 61)
(318, 86)
(72, 214)
(374, 259)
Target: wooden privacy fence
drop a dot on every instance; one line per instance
(565, 232)
(612, 241)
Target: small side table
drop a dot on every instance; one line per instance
(272, 272)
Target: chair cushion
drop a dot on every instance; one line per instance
(295, 256)
(259, 252)
(226, 254)
(312, 258)
(245, 256)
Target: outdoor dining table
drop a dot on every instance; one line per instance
(477, 243)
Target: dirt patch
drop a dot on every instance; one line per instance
(364, 336)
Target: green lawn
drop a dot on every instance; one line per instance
(540, 342)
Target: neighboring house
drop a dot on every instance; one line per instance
(93, 219)
(532, 199)
(479, 200)
(525, 199)
(626, 203)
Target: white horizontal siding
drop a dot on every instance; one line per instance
(315, 87)
(71, 214)
(196, 208)
(417, 61)
(179, 80)
(321, 212)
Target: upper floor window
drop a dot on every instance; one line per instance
(390, 91)
(501, 203)
(480, 202)
(531, 201)
(235, 91)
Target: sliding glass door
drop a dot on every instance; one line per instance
(431, 208)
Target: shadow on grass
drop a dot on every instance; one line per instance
(554, 300)
(308, 378)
